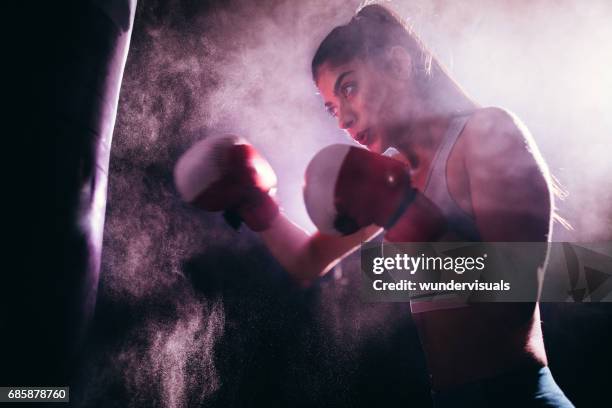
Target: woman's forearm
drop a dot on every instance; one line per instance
(307, 256)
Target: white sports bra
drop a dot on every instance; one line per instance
(460, 223)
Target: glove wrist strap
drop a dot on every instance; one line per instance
(257, 213)
(407, 199)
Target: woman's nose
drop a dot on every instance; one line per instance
(347, 119)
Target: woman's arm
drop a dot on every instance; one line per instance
(227, 173)
(306, 257)
(508, 179)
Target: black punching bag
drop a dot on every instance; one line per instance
(76, 52)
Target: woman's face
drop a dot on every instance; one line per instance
(363, 98)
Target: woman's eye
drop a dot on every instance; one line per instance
(333, 112)
(348, 90)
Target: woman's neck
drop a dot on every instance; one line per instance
(419, 139)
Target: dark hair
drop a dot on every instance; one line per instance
(372, 31)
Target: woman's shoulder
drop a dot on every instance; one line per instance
(494, 120)
(495, 131)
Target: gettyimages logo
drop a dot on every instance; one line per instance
(412, 264)
(487, 272)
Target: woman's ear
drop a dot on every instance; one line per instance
(400, 62)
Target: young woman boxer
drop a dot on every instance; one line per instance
(464, 173)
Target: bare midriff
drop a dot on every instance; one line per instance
(480, 341)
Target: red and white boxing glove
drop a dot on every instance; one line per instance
(348, 188)
(226, 173)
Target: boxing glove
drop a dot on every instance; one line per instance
(348, 188)
(226, 173)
